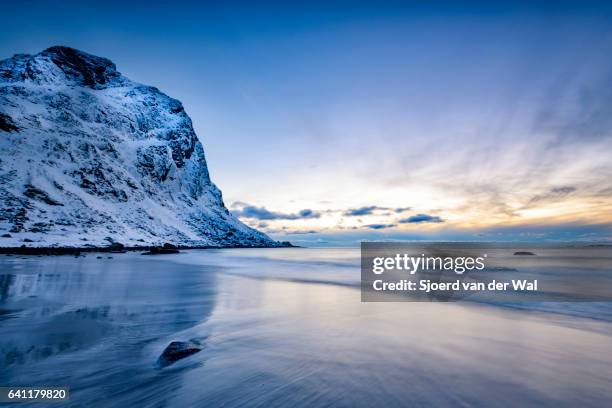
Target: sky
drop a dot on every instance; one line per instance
(328, 123)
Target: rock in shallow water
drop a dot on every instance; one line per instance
(523, 253)
(178, 350)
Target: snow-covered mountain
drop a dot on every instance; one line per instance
(89, 157)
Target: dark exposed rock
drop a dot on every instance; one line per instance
(6, 123)
(80, 66)
(40, 227)
(6, 235)
(154, 162)
(116, 248)
(165, 249)
(178, 350)
(523, 253)
(38, 194)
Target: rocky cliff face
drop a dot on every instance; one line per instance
(89, 157)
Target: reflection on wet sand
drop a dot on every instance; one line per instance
(85, 321)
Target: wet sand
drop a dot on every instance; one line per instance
(282, 327)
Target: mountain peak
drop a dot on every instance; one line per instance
(61, 65)
(90, 69)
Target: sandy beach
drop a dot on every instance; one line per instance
(281, 327)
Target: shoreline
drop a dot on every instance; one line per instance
(23, 250)
(118, 248)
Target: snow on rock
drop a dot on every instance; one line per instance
(89, 157)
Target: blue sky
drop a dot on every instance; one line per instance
(482, 121)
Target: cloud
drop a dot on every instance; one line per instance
(553, 195)
(308, 214)
(302, 232)
(368, 210)
(563, 190)
(421, 218)
(243, 210)
(360, 211)
(579, 110)
(373, 210)
(379, 226)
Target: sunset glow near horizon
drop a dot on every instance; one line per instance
(403, 121)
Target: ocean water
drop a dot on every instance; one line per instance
(285, 327)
